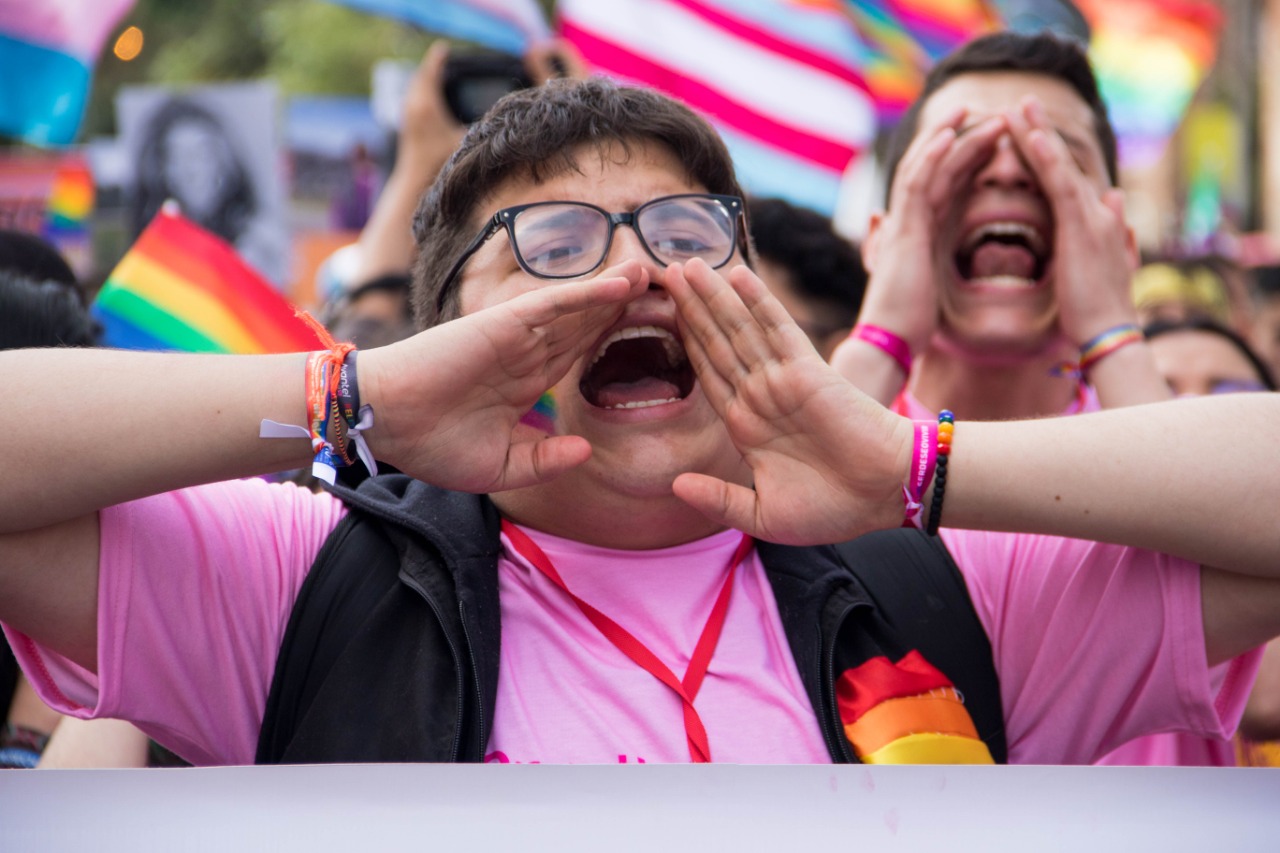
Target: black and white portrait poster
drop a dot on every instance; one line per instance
(215, 150)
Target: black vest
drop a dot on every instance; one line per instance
(391, 652)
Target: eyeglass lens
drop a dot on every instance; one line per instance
(564, 239)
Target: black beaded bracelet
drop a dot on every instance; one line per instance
(946, 426)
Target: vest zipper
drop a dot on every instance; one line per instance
(836, 743)
(453, 650)
(475, 669)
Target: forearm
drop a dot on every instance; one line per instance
(386, 242)
(1199, 479)
(100, 427)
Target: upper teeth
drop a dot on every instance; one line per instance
(675, 352)
(1006, 229)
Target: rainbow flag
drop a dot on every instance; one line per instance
(47, 52)
(907, 36)
(906, 713)
(506, 25)
(781, 80)
(70, 201)
(181, 288)
(1150, 57)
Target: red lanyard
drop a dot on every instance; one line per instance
(686, 688)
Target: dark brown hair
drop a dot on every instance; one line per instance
(1043, 54)
(537, 134)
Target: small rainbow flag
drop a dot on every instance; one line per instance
(181, 288)
(906, 713)
(70, 201)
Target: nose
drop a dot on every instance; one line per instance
(627, 246)
(1006, 168)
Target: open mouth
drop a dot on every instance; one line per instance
(1009, 254)
(637, 367)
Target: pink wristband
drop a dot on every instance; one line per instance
(885, 341)
(924, 458)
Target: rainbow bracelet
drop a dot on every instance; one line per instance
(946, 427)
(1102, 345)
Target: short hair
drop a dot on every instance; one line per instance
(1212, 327)
(31, 256)
(42, 314)
(536, 134)
(825, 267)
(1042, 53)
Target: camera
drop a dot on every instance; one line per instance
(473, 82)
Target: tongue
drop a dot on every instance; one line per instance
(648, 389)
(1002, 259)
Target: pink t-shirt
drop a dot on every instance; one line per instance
(567, 695)
(1094, 643)
(1172, 749)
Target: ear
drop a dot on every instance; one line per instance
(871, 242)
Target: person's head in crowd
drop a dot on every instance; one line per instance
(35, 313)
(26, 253)
(1184, 289)
(373, 314)
(1265, 332)
(1169, 292)
(1002, 250)
(1041, 64)
(588, 175)
(532, 138)
(994, 252)
(1200, 355)
(814, 272)
(188, 156)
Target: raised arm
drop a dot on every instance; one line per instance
(107, 427)
(428, 135)
(1198, 479)
(1093, 262)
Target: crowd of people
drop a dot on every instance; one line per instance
(666, 473)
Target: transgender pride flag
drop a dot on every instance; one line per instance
(779, 79)
(47, 51)
(507, 25)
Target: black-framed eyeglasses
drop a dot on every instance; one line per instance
(567, 239)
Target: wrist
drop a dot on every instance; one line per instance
(1107, 342)
(887, 342)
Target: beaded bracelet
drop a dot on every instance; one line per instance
(885, 341)
(1102, 345)
(946, 427)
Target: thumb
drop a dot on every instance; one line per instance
(532, 462)
(722, 502)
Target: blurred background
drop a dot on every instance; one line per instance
(273, 122)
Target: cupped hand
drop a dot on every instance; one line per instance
(1094, 252)
(429, 133)
(447, 402)
(828, 462)
(905, 256)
